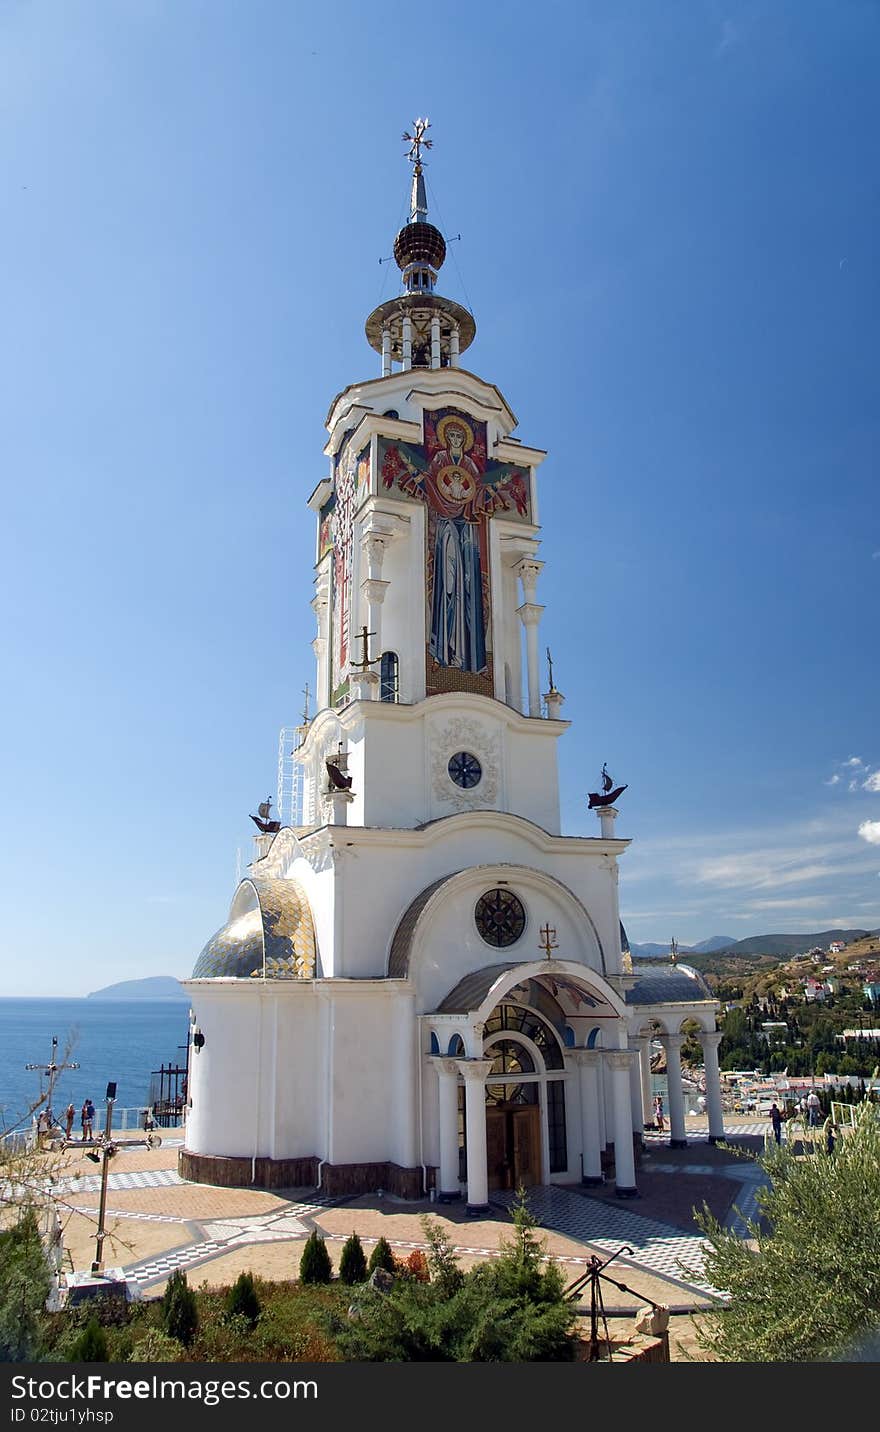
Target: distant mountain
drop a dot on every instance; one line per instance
(788, 945)
(715, 942)
(649, 951)
(156, 987)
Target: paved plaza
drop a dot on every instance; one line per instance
(157, 1222)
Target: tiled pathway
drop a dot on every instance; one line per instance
(657, 1247)
(222, 1235)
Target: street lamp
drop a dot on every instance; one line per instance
(107, 1153)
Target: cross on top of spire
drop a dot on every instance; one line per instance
(417, 141)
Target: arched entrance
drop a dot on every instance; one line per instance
(525, 1097)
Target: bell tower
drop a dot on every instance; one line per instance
(427, 568)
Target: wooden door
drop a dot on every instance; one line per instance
(496, 1148)
(527, 1146)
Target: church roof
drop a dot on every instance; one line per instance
(658, 983)
(269, 932)
(470, 992)
(398, 960)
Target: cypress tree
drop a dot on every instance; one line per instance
(180, 1315)
(315, 1265)
(242, 1299)
(353, 1263)
(382, 1257)
(91, 1345)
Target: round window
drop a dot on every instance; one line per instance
(500, 918)
(465, 770)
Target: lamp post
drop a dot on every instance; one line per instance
(107, 1153)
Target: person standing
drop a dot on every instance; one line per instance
(658, 1112)
(69, 1117)
(814, 1108)
(776, 1121)
(87, 1116)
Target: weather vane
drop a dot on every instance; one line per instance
(417, 141)
(548, 941)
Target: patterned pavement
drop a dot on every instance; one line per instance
(656, 1247)
(224, 1234)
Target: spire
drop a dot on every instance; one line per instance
(418, 205)
(419, 329)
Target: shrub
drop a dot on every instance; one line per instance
(809, 1289)
(180, 1314)
(24, 1286)
(382, 1257)
(315, 1265)
(353, 1263)
(242, 1299)
(91, 1345)
(156, 1346)
(513, 1309)
(416, 1267)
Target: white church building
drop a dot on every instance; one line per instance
(426, 985)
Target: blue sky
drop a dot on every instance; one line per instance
(668, 215)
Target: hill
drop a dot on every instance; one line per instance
(156, 987)
(784, 946)
(652, 951)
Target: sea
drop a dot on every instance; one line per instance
(121, 1041)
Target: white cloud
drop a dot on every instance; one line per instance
(833, 781)
(873, 782)
(798, 903)
(869, 830)
(854, 761)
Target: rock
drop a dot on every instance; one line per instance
(652, 1321)
(381, 1279)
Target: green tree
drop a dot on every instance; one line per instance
(315, 1265)
(25, 1282)
(512, 1309)
(353, 1262)
(180, 1314)
(382, 1257)
(809, 1290)
(91, 1345)
(242, 1299)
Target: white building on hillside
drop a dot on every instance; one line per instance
(425, 986)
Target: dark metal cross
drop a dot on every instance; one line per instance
(306, 694)
(548, 940)
(364, 664)
(550, 666)
(52, 1070)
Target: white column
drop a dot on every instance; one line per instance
(407, 341)
(453, 346)
(530, 614)
(710, 1041)
(373, 588)
(604, 1103)
(386, 351)
(618, 1062)
(474, 1072)
(607, 816)
(645, 1071)
(587, 1061)
(435, 340)
(447, 1094)
(635, 1088)
(672, 1044)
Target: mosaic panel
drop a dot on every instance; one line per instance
(462, 489)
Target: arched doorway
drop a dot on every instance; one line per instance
(525, 1096)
